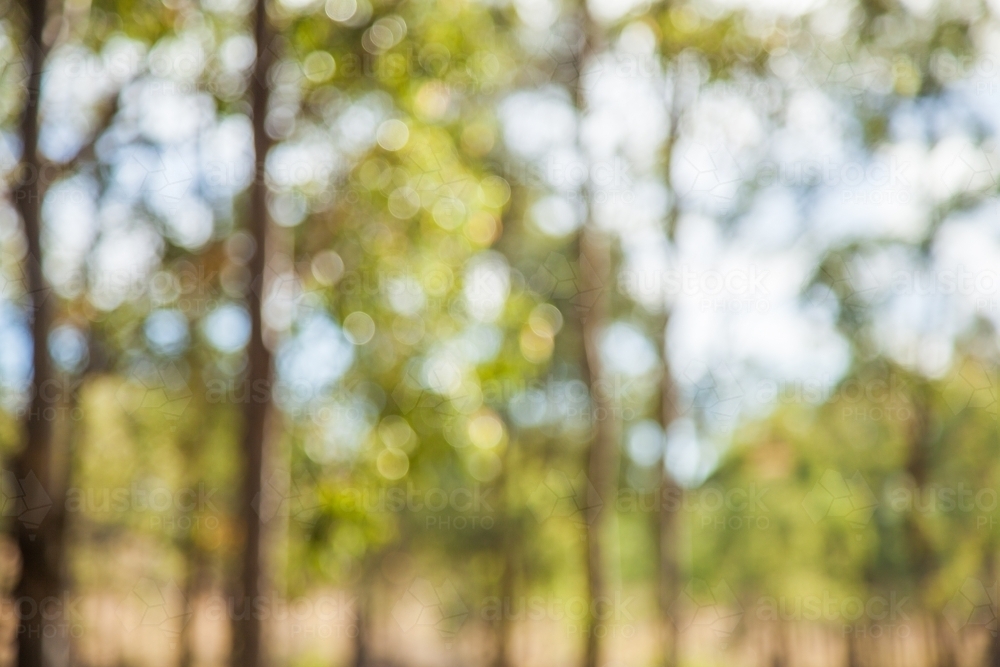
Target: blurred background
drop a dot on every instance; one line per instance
(501, 333)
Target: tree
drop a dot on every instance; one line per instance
(248, 650)
(41, 550)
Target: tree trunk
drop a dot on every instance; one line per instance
(592, 308)
(919, 546)
(365, 611)
(666, 525)
(508, 546)
(780, 651)
(595, 261)
(992, 656)
(361, 649)
(946, 649)
(851, 650)
(39, 540)
(247, 648)
(666, 520)
(196, 582)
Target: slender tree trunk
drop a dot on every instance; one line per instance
(666, 525)
(919, 546)
(361, 639)
(39, 540)
(196, 560)
(592, 306)
(946, 649)
(365, 610)
(503, 627)
(196, 582)
(780, 655)
(993, 651)
(595, 261)
(247, 645)
(851, 650)
(667, 520)
(992, 657)
(509, 540)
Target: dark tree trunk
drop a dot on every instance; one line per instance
(361, 657)
(247, 645)
(595, 261)
(919, 545)
(592, 307)
(946, 648)
(851, 651)
(509, 540)
(194, 585)
(39, 534)
(666, 525)
(992, 657)
(363, 612)
(666, 520)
